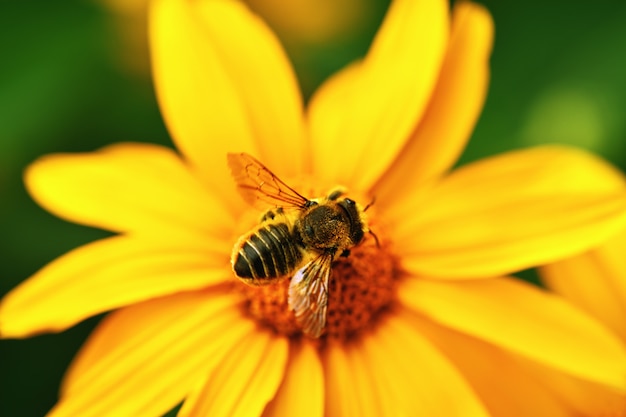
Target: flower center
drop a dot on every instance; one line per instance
(361, 286)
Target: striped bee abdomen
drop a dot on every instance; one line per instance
(268, 252)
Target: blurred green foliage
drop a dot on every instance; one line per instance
(558, 75)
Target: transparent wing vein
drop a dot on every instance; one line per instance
(308, 295)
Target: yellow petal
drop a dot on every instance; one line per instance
(388, 377)
(243, 382)
(453, 109)
(587, 399)
(270, 92)
(340, 396)
(595, 281)
(430, 380)
(505, 386)
(108, 274)
(360, 121)
(520, 318)
(128, 187)
(302, 391)
(366, 398)
(145, 359)
(224, 85)
(395, 371)
(508, 213)
(434, 381)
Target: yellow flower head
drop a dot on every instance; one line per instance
(423, 322)
(594, 281)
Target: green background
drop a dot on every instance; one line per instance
(558, 75)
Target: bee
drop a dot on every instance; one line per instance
(297, 236)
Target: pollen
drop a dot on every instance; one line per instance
(362, 286)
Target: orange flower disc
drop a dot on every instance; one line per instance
(362, 285)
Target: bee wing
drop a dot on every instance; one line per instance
(308, 295)
(259, 186)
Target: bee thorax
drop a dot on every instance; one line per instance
(325, 228)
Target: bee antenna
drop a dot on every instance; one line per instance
(375, 238)
(371, 203)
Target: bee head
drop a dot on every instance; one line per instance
(353, 215)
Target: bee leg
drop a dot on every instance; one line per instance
(269, 215)
(345, 253)
(375, 238)
(335, 194)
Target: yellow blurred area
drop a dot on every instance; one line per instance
(296, 22)
(312, 21)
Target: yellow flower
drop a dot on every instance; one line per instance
(303, 23)
(595, 281)
(401, 315)
(313, 21)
